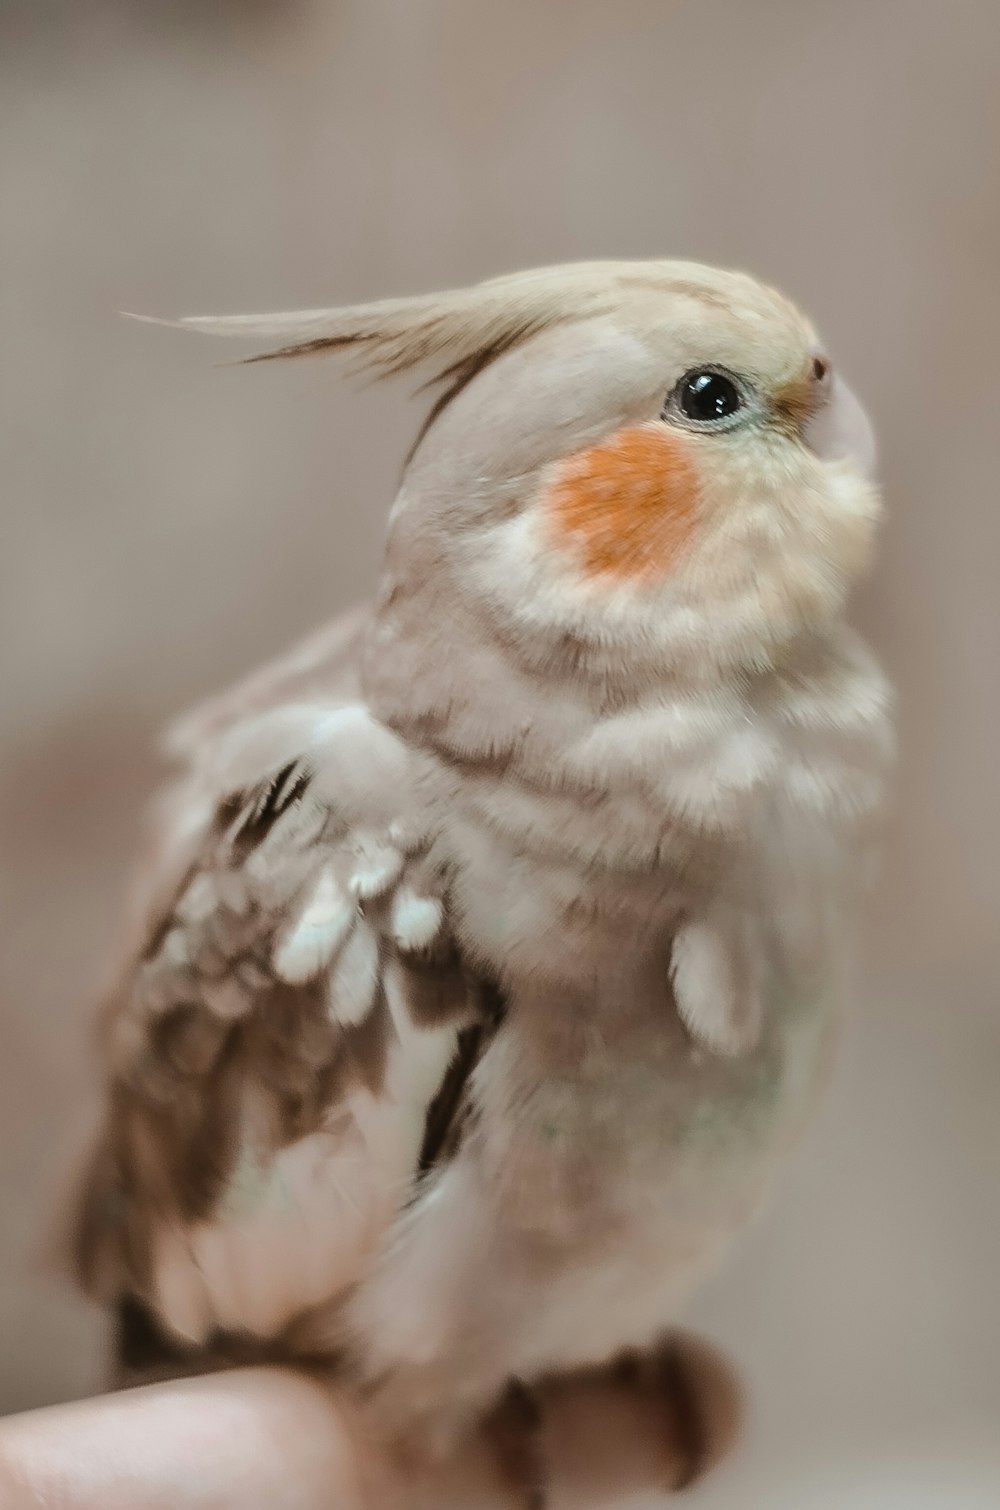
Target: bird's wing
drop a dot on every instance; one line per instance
(282, 1049)
(323, 665)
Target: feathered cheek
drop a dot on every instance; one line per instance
(626, 509)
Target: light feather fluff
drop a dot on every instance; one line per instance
(490, 953)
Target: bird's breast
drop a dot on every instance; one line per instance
(622, 1117)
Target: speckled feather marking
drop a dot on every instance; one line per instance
(276, 1051)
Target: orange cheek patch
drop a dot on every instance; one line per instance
(628, 506)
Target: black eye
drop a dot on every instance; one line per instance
(707, 397)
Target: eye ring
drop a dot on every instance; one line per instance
(707, 398)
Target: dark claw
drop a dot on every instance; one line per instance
(691, 1429)
(699, 1397)
(515, 1431)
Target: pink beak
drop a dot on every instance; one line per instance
(841, 430)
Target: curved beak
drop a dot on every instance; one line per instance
(841, 430)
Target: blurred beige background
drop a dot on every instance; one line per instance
(167, 522)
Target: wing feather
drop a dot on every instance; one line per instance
(283, 1029)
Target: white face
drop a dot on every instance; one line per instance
(686, 480)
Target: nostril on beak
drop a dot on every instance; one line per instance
(820, 369)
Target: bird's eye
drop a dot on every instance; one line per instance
(707, 397)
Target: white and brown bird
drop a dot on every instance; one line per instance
(489, 950)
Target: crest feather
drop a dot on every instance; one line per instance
(464, 327)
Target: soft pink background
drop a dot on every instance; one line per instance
(167, 522)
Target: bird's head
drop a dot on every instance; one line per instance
(648, 469)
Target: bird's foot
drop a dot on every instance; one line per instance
(697, 1394)
(514, 1430)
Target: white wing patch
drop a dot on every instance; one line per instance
(317, 933)
(296, 1229)
(416, 920)
(355, 976)
(379, 866)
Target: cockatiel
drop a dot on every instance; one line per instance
(489, 956)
